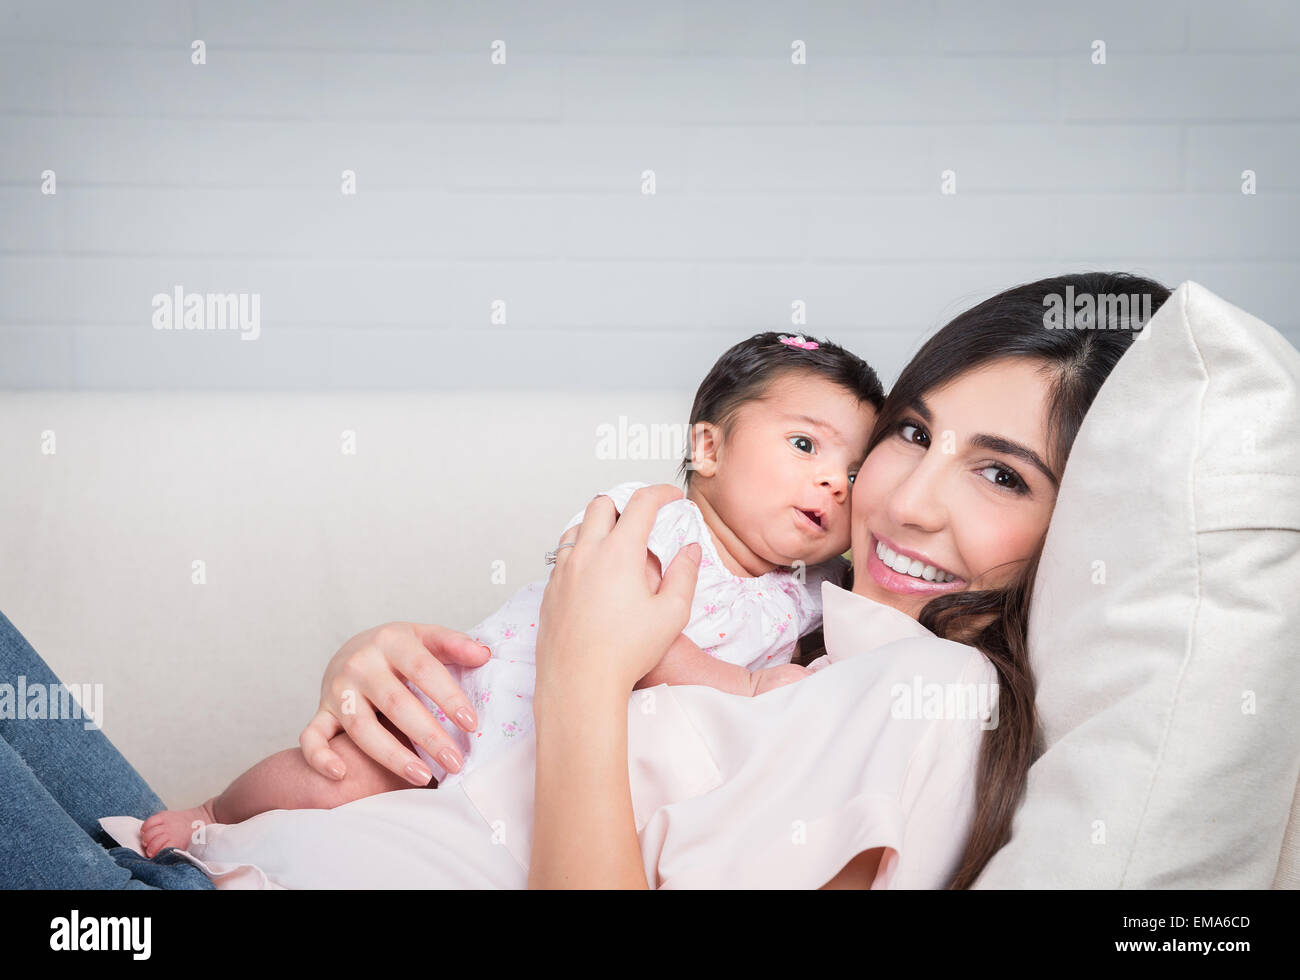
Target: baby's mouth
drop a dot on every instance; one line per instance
(814, 517)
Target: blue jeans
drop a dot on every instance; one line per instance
(57, 778)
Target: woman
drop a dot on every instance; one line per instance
(997, 395)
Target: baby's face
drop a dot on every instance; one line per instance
(784, 476)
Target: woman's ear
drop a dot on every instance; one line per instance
(706, 440)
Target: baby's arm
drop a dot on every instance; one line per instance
(686, 663)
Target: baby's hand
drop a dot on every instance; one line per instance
(770, 678)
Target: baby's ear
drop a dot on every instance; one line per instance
(706, 439)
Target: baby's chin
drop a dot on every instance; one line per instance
(806, 552)
(812, 557)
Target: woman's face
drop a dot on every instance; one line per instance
(956, 493)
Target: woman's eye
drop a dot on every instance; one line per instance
(1005, 478)
(852, 477)
(917, 434)
(802, 443)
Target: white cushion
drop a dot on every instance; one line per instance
(1164, 628)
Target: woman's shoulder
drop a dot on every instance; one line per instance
(946, 658)
(931, 679)
(920, 677)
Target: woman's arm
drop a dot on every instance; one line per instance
(602, 628)
(367, 677)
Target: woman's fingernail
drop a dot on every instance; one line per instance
(418, 774)
(466, 719)
(336, 770)
(450, 760)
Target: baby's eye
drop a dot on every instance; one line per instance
(802, 443)
(852, 477)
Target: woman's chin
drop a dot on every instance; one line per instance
(909, 604)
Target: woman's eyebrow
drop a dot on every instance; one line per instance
(996, 444)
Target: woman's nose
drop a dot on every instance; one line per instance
(918, 499)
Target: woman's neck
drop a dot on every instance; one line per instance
(738, 557)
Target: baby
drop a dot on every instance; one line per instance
(778, 428)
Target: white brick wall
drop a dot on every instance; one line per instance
(522, 182)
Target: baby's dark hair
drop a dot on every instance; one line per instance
(746, 371)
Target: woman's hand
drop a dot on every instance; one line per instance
(603, 626)
(601, 614)
(368, 675)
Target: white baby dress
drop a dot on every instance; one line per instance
(750, 622)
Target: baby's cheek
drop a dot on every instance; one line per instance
(841, 537)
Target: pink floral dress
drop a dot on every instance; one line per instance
(750, 622)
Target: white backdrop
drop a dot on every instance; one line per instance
(521, 183)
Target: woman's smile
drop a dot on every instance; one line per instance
(906, 573)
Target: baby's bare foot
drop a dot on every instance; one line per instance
(173, 828)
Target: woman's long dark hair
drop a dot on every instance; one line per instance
(1079, 340)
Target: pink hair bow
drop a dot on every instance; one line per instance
(800, 342)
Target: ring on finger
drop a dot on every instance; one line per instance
(551, 555)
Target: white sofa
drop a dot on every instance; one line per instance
(449, 501)
(303, 544)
